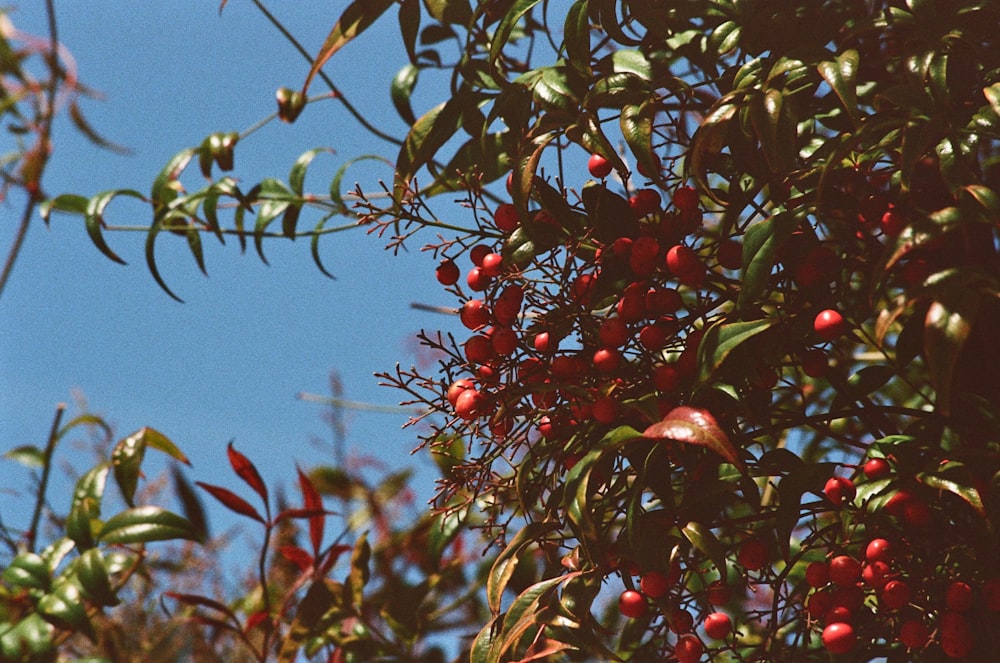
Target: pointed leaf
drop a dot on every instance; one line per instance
(126, 460)
(94, 219)
(64, 607)
(360, 572)
(154, 230)
(842, 76)
(505, 563)
(144, 524)
(231, 501)
(401, 90)
(702, 538)
(27, 570)
(722, 339)
(311, 500)
(27, 455)
(504, 30)
(761, 245)
(357, 18)
(94, 578)
(946, 328)
(707, 144)
(690, 425)
(246, 470)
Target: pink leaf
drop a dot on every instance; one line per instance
(691, 425)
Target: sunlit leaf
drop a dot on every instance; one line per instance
(145, 524)
(689, 425)
(506, 561)
(357, 17)
(946, 328)
(231, 501)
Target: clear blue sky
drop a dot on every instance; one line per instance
(228, 363)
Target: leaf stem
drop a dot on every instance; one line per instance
(43, 484)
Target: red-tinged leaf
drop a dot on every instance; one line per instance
(312, 500)
(232, 501)
(201, 602)
(358, 16)
(297, 556)
(255, 620)
(695, 426)
(247, 471)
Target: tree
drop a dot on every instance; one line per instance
(728, 391)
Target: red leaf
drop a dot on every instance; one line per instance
(247, 471)
(331, 556)
(695, 426)
(232, 501)
(297, 556)
(301, 513)
(312, 500)
(254, 620)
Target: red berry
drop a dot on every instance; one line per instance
(457, 387)
(819, 603)
(654, 584)
(877, 468)
(546, 343)
(839, 638)
(506, 219)
(632, 604)
(492, 264)
(814, 363)
(478, 349)
(876, 574)
(817, 574)
(681, 621)
(477, 253)
(644, 202)
(607, 360)
(917, 513)
(474, 314)
(504, 340)
(817, 267)
(470, 404)
(914, 634)
(718, 625)
(957, 638)
(845, 571)
(893, 222)
(753, 554)
(688, 649)
(878, 550)
(666, 377)
(959, 596)
(829, 324)
(478, 279)
(895, 594)
(447, 272)
(598, 166)
(683, 262)
(839, 490)
(613, 332)
(661, 301)
(719, 593)
(685, 198)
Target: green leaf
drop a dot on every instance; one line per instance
(761, 245)
(70, 203)
(144, 524)
(27, 455)
(64, 607)
(632, 62)
(946, 328)
(297, 175)
(992, 94)
(702, 538)
(707, 144)
(576, 37)
(506, 561)
(30, 636)
(27, 570)
(409, 26)
(357, 18)
(423, 141)
(401, 90)
(86, 507)
(164, 188)
(721, 339)
(449, 11)
(690, 425)
(842, 76)
(154, 270)
(94, 219)
(503, 31)
(360, 572)
(94, 578)
(322, 603)
(637, 128)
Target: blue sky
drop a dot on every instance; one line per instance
(228, 363)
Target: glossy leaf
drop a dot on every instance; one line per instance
(506, 562)
(637, 128)
(689, 425)
(94, 578)
(357, 17)
(504, 30)
(151, 265)
(27, 570)
(946, 328)
(957, 480)
(721, 339)
(27, 455)
(576, 37)
(842, 76)
(425, 138)
(64, 607)
(761, 245)
(29, 636)
(402, 89)
(165, 187)
(702, 538)
(145, 524)
(231, 501)
(707, 144)
(246, 470)
(94, 219)
(126, 460)
(86, 508)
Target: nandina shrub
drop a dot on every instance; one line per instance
(850, 149)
